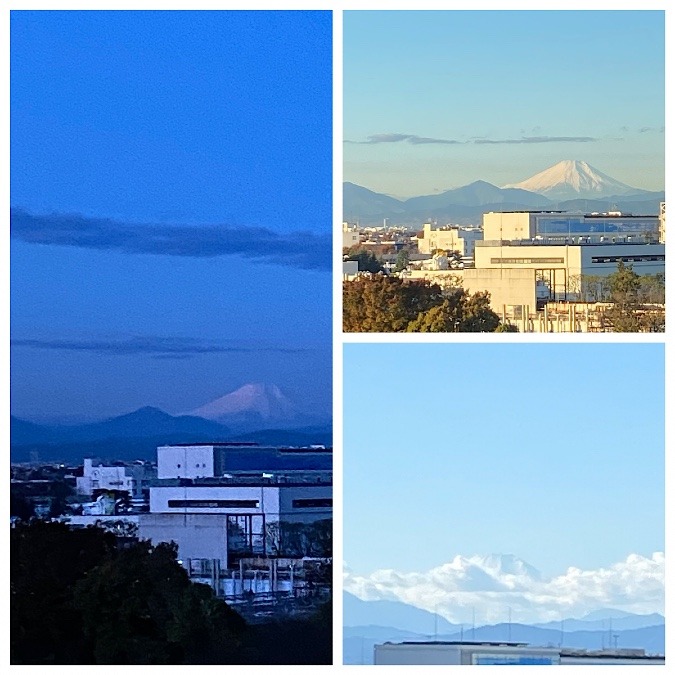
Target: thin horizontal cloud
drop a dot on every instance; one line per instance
(424, 140)
(408, 138)
(538, 139)
(155, 346)
(305, 250)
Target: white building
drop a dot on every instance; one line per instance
(132, 478)
(464, 653)
(223, 501)
(350, 235)
(611, 227)
(504, 653)
(449, 238)
(527, 258)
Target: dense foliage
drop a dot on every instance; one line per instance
(384, 304)
(78, 598)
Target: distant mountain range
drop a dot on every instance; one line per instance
(570, 185)
(137, 434)
(367, 623)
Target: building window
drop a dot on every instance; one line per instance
(628, 258)
(525, 261)
(312, 503)
(213, 503)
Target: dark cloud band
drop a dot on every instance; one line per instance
(303, 250)
(408, 138)
(155, 346)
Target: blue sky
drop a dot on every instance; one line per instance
(170, 184)
(501, 95)
(551, 452)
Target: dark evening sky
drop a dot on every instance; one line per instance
(171, 209)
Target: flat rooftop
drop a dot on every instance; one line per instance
(461, 643)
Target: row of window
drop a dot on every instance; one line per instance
(628, 258)
(213, 503)
(243, 503)
(525, 261)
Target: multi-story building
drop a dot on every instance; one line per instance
(225, 503)
(449, 238)
(134, 478)
(530, 258)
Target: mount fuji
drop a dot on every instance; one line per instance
(254, 405)
(573, 179)
(570, 185)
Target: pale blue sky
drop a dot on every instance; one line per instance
(593, 80)
(551, 452)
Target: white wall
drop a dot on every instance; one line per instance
(194, 461)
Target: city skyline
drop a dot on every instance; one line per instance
(171, 209)
(486, 455)
(435, 100)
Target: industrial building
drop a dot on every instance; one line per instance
(134, 478)
(529, 259)
(464, 654)
(505, 653)
(243, 516)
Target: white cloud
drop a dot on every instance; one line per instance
(493, 586)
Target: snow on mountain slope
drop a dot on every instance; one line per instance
(265, 400)
(573, 178)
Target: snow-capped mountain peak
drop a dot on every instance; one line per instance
(264, 400)
(573, 178)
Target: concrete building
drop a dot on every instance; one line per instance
(226, 519)
(610, 657)
(350, 235)
(449, 238)
(134, 478)
(528, 259)
(560, 267)
(464, 653)
(229, 506)
(350, 269)
(505, 653)
(564, 227)
(214, 460)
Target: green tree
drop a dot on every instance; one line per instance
(367, 261)
(402, 260)
(385, 304)
(390, 304)
(627, 295)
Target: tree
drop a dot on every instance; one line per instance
(140, 607)
(402, 260)
(627, 292)
(385, 304)
(76, 598)
(367, 261)
(394, 305)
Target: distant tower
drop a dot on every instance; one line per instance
(662, 223)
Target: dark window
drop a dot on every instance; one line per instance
(213, 503)
(312, 503)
